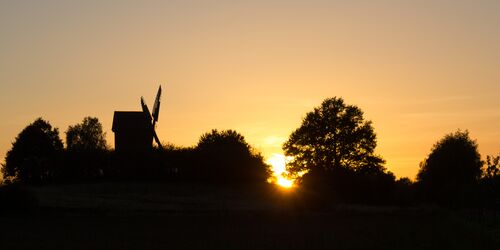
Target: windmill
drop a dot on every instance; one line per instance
(135, 130)
(153, 117)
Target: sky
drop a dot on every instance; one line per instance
(418, 69)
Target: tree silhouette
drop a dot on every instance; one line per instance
(86, 136)
(490, 183)
(335, 146)
(492, 167)
(34, 155)
(225, 157)
(225, 138)
(86, 155)
(334, 135)
(451, 171)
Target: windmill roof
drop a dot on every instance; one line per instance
(130, 121)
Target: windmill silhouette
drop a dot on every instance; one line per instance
(135, 130)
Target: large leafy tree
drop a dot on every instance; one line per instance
(333, 136)
(86, 136)
(34, 154)
(452, 169)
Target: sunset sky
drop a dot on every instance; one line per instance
(418, 69)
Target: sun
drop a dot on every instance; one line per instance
(278, 168)
(284, 182)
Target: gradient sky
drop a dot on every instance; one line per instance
(418, 69)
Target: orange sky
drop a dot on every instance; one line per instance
(418, 69)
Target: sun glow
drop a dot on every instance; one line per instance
(286, 183)
(278, 167)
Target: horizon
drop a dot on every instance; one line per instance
(418, 71)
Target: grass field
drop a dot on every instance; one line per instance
(186, 216)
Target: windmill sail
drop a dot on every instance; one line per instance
(156, 113)
(157, 140)
(156, 106)
(154, 117)
(145, 109)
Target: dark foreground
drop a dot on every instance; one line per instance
(66, 227)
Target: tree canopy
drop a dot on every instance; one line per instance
(86, 155)
(491, 181)
(226, 157)
(334, 135)
(34, 153)
(492, 169)
(452, 168)
(86, 136)
(228, 139)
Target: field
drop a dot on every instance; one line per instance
(189, 216)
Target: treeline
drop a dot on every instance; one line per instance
(453, 175)
(38, 156)
(333, 162)
(334, 157)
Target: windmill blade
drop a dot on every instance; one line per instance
(156, 106)
(157, 139)
(145, 109)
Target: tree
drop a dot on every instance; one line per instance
(86, 136)
(86, 156)
(34, 155)
(222, 138)
(335, 145)
(333, 136)
(490, 182)
(225, 157)
(452, 170)
(492, 167)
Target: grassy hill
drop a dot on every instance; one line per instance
(194, 216)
